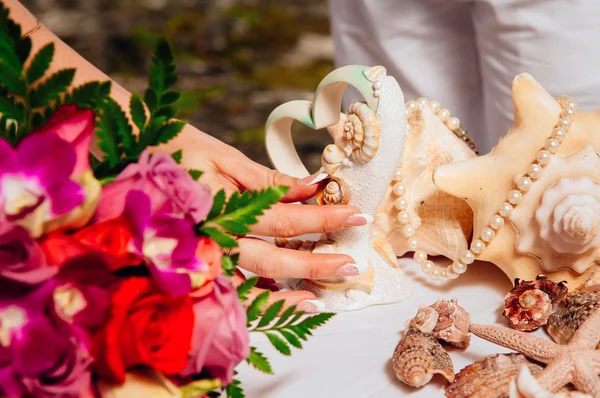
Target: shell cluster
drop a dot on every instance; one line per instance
(529, 304)
(575, 309)
(418, 357)
(446, 320)
(489, 377)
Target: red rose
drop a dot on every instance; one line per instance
(146, 327)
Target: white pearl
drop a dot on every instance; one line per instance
(450, 272)
(524, 184)
(378, 85)
(458, 267)
(534, 170)
(417, 222)
(399, 189)
(477, 246)
(505, 209)
(559, 133)
(442, 273)
(401, 204)
(398, 175)
(420, 256)
(516, 179)
(403, 217)
(487, 234)
(411, 106)
(571, 105)
(552, 145)
(413, 243)
(496, 222)
(435, 273)
(515, 196)
(453, 123)
(435, 106)
(408, 231)
(376, 93)
(444, 115)
(423, 102)
(543, 157)
(568, 112)
(467, 257)
(427, 266)
(565, 123)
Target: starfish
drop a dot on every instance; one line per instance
(577, 362)
(485, 181)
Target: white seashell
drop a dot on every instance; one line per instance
(375, 73)
(362, 132)
(333, 158)
(335, 192)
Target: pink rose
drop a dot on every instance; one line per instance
(220, 337)
(170, 187)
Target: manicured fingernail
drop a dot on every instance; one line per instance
(358, 220)
(313, 179)
(347, 270)
(275, 287)
(311, 306)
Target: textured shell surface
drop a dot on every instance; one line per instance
(524, 385)
(362, 132)
(575, 309)
(529, 304)
(445, 221)
(375, 73)
(425, 320)
(489, 377)
(453, 323)
(418, 357)
(333, 191)
(332, 158)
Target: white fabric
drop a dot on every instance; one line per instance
(466, 53)
(350, 357)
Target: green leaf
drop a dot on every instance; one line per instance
(270, 313)
(234, 390)
(195, 174)
(169, 131)
(257, 305)
(169, 98)
(229, 264)
(246, 287)
(112, 130)
(234, 227)
(168, 112)
(11, 109)
(91, 95)
(151, 100)
(314, 321)
(40, 63)
(223, 239)
(138, 113)
(12, 80)
(52, 87)
(177, 156)
(300, 332)
(259, 361)
(8, 54)
(295, 318)
(162, 71)
(217, 207)
(285, 316)
(279, 344)
(291, 338)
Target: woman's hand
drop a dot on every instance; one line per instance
(226, 168)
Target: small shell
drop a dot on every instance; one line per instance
(453, 323)
(362, 132)
(332, 158)
(418, 357)
(529, 304)
(425, 320)
(335, 192)
(489, 377)
(575, 309)
(375, 73)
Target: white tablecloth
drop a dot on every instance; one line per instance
(350, 356)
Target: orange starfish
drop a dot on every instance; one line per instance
(577, 363)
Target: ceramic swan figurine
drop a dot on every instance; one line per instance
(360, 166)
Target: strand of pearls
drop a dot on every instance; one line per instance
(523, 184)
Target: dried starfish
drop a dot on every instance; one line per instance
(577, 363)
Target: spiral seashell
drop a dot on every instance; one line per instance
(453, 323)
(333, 158)
(375, 73)
(418, 357)
(362, 132)
(425, 320)
(335, 192)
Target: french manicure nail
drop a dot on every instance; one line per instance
(311, 306)
(358, 220)
(347, 270)
(312, 179)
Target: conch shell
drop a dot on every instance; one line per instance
(418, 357)
(446, 320)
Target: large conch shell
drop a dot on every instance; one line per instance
(446, 222)
(554, 229)
(360, 165)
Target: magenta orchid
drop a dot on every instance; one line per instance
(34, 182)
(168, 244)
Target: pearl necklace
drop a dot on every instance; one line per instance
(523, 184)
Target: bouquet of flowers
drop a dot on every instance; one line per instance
(113, 276)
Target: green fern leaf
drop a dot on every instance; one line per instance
(256, 307)
(291, 338)
(51, 88)
(270, 313)
(11, 109)
(300, 332)
(259, 361)
(138, 114)
(177, 156)
(163, 71)
(90, 95)
(168, 131)
(296, 317)
(246, 287)
(314, 321)
(168, 112)
(217, 207)
(234, 390)
(195, 174)
(8, 54)
(151, 100)
(229, 264)
(223, 239)
(40, 63)
(285, 316)
(12, 80)
(169, 98)
(279, 344)
(234, 227)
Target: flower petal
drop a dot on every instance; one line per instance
(47, 157)
(64, 196)
(170, 281)
(137, 210)
(7, 157)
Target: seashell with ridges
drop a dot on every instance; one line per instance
(425, 320)
(362, 132)
(573, 311)
(453, 323)
(375, 73)
(333, 158)
(489, 377)
(529, 304)
(334, 192)
(418, 357)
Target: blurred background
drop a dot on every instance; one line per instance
(237, 59)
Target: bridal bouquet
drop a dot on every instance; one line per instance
(114, 273)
